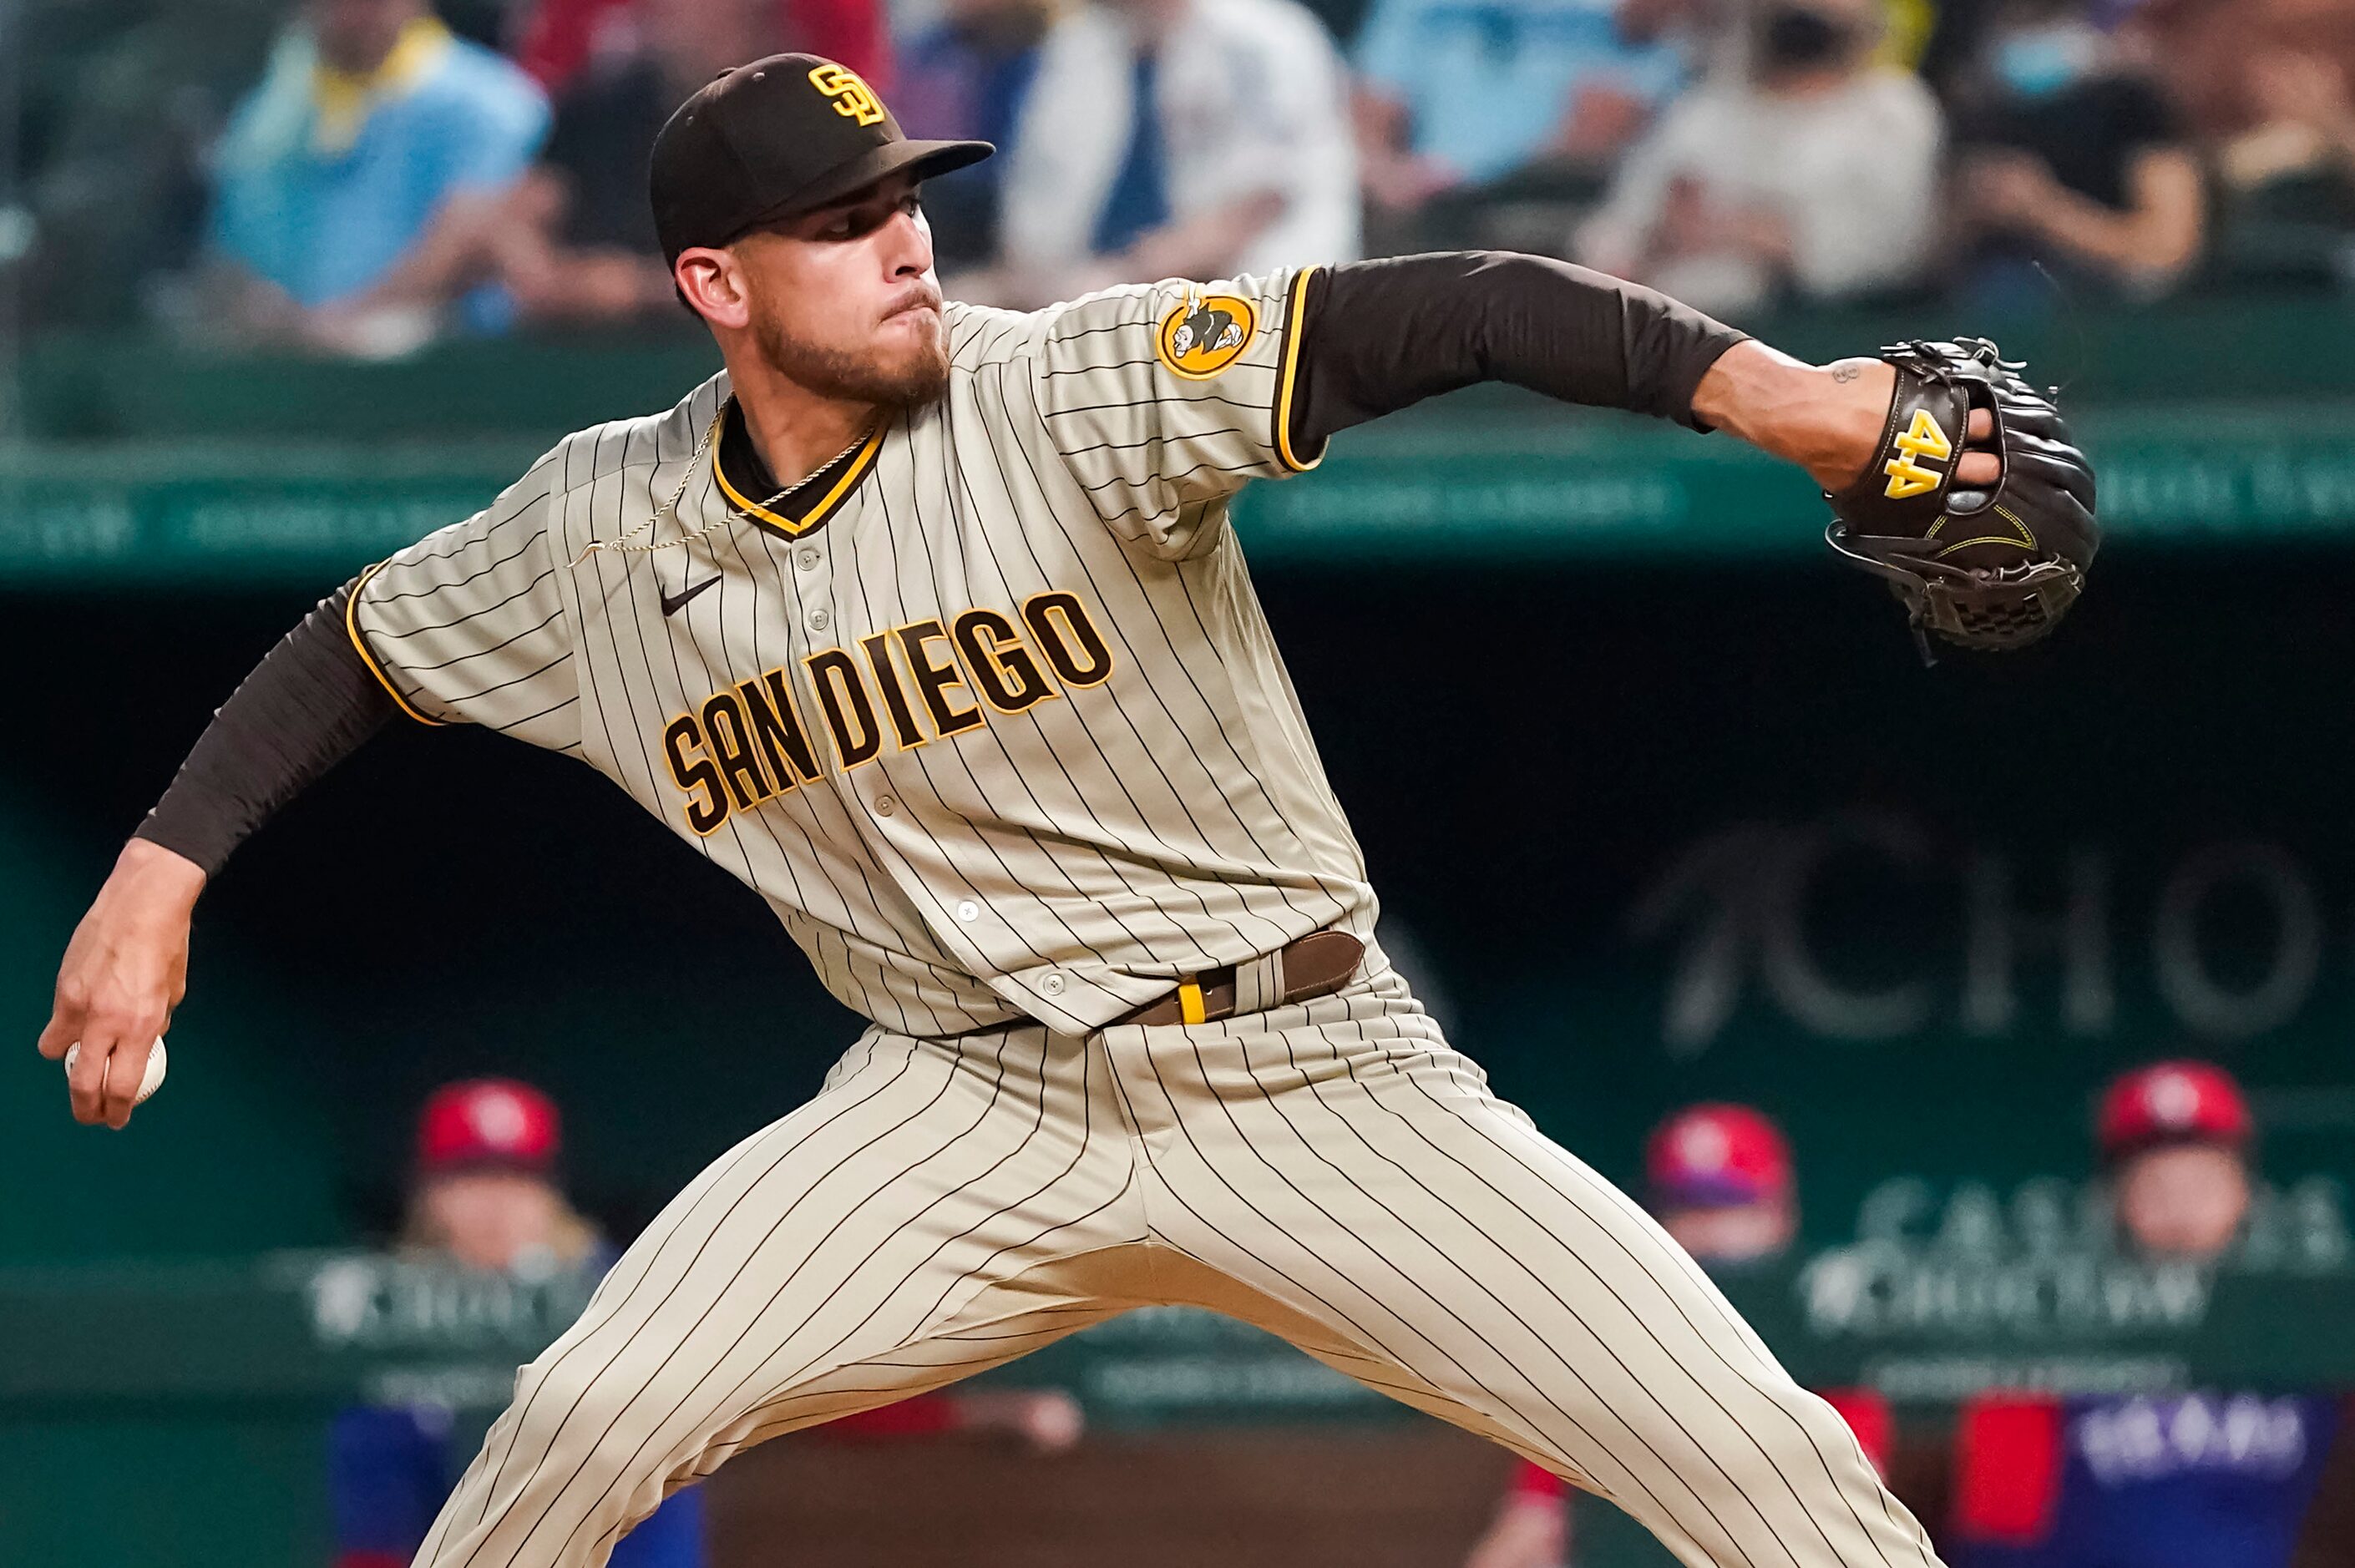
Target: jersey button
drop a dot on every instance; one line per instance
(806, 558)
(1051, 985)
(820, 619)
(968, 911)
(885, 805)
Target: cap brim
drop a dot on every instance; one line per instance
(924, 160)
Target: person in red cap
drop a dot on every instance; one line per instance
(2175, 1137)
(1719, 1180)
(484, 1194)
(1722, 1185)
(485, 1190)
(2200, 1477)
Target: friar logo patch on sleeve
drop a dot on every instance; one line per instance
(1204, 334)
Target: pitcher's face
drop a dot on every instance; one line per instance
(843, 300)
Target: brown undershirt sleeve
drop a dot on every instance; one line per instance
(1380, 335)
(306, 707)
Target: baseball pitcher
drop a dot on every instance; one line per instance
(928, 623)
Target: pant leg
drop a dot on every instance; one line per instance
(1345, 1179)
(939, 1208)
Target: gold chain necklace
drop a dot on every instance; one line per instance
(694, 464)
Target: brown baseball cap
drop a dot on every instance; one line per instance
(775, 138)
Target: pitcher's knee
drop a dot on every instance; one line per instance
(1811, 1443)
(576, 1402)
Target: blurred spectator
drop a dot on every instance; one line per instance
(2175, 1137)
(581, 243)
(2072, 159)
(1175, 138)
(1721, 1184)
(2265, 87)
(1455, 95)
(1719, 1180)
(2201, 52)
(969, 77)
(2289, 181)
(485, 1196)
(2198, 1479)
(562, 38)
(361, 182)
(1813, 174)
(124, 97)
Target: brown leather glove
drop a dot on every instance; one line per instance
(1990, 569)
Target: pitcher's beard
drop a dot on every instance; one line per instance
(916, 375)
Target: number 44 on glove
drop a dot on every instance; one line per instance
(1992, 567)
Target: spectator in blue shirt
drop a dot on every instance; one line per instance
(970, 75)
(1459, 93)
(360, 184)
(485, 1197)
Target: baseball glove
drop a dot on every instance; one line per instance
(1990, 569)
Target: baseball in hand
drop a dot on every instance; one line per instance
(148, 1085)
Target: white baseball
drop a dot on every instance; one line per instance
(148, 1085)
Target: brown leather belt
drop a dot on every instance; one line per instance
(1318, 964)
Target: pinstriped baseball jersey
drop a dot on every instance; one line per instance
(987, 710)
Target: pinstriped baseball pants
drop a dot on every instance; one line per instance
(1330, 1171)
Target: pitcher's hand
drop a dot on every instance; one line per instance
(1828, 419)
(124, 971)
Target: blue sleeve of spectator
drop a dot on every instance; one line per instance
(238, 194)
(229, 230)
(387, 1475)
(496, 139)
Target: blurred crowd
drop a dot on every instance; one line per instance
(2200, 1477)
(363, 176)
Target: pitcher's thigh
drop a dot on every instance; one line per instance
(820, 1268)
(1456, 1258)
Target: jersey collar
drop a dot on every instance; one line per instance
(745, 480)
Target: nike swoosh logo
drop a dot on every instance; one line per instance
(673, 602)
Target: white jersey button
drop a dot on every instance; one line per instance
(885, 805)
(820, 619)
(1052, 985)
(968, 911)
(806, 558)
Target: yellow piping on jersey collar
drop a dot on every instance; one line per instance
(821, 509)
